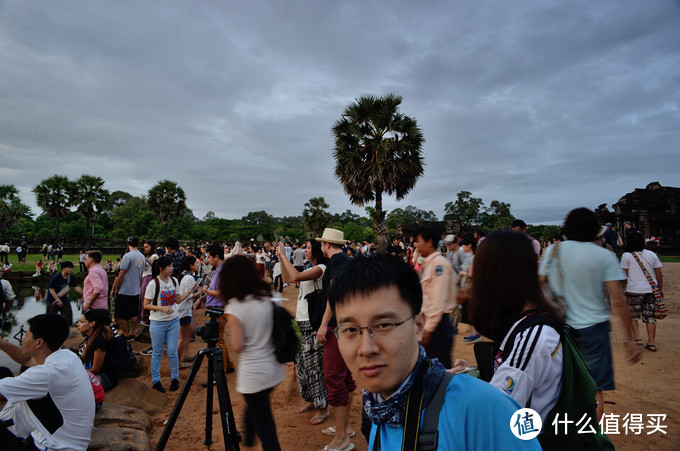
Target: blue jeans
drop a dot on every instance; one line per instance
(164, 332)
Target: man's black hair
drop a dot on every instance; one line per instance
(429, 234)
(365, 275)
(51, 327)
(518, 223)
(66, 264)
(215, 250)
(171, 243)
(581, 225)
(635, 242)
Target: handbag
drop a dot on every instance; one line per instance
(660, 309)
(316, 306)
(548, 292)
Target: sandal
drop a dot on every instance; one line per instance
(651, 348)
(330, 430)
(306, 408)
(318, 420)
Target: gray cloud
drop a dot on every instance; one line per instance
(547, 106)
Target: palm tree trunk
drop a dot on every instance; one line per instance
(56, 230)
(165, 229)
(379, 223)
(87, 233)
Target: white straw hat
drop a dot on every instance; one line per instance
(334, 236)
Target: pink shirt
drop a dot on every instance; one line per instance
(97, 281)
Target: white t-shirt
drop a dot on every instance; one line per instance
(63, 379)
(147, 265)
(7, 288)
(533, 369)
(637, 281)
(306, 287)
(186, 285)
(166, 296)
(257, 367)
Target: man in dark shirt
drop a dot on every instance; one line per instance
(337, 377)
(57, 294)
(172, 250)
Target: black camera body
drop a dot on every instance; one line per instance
(210, 333)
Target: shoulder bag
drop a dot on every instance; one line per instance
(660, 309)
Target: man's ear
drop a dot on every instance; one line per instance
(419, 321)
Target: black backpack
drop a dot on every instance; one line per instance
(286, 335)
(123, 356)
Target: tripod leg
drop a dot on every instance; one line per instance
(209, 399)
(231, 436)
(180, 401)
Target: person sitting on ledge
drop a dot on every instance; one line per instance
(51, 404)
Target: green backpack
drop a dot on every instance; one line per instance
(576, 399)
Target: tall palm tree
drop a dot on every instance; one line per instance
(55, 195)
(91, 198)
(377, 151)
(11, 207)
(314, 216)
(168, 201)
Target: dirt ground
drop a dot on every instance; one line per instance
(648, 387)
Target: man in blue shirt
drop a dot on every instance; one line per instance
(377, 303)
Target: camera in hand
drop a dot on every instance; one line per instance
(210, 333)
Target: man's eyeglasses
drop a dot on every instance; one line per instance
(377, 329)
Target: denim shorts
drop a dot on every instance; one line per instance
(593, 342)
(183, 321)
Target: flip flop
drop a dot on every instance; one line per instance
(306, 408)
(650, 348)
(318, 420)
(330, 430)
(349, 447)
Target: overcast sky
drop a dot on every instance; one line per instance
(547, 105)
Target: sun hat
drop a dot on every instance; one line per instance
(449, 238)
(627, 222)
(601, 232)
(333, 236)
(609, 224)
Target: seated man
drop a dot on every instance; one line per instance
(377, 303)
(51, 404)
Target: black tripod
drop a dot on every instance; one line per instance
(231, 436)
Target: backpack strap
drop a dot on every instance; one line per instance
(158, 291)
(532, 318)
(429, 434)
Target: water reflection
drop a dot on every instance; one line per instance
(30, 301)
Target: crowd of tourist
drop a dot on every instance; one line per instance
(386, 320)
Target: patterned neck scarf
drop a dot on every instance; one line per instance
(392, 411)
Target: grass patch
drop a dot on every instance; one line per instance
(669, 258)
(31, 260)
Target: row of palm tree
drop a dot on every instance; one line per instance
(57, 194)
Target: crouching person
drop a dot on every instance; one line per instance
(51, 404)
(377, 302)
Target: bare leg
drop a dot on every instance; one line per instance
(133, 326)
(122, 327)
(342, 416)
(651, 333)
(185, 331)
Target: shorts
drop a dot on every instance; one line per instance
(642, 305)
(127, 306)
(183, 321)
(593, 342)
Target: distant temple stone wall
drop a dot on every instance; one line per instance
(654, 211)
